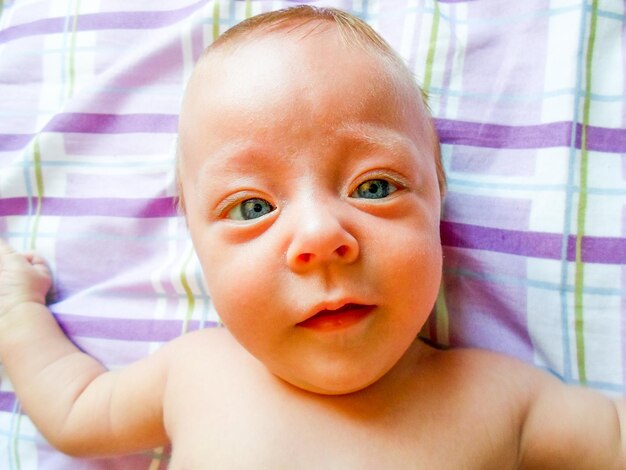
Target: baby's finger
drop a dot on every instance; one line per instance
(31, 256)
(43, 270)
(37, 262)
(35, 259)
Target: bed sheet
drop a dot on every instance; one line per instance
(529, 101)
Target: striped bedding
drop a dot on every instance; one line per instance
(529, 100)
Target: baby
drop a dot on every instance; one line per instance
(311, 183)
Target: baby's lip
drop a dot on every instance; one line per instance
(333, 317)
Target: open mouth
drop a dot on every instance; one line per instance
(343, 317)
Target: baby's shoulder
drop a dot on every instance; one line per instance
(480, 363)
(204, 348)
(206, 366)
(483, 375)
(201, 338)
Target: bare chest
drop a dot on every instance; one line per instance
(255, 429)
(226, 411)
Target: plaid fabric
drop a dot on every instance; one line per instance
(529, 99)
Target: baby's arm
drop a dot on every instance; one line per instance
(570, 427)
(79, 406)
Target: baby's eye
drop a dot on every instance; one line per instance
(374, 189)
(250, 209)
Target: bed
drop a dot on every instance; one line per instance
(530, 105)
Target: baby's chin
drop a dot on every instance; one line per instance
(336, 378)
(330, 385)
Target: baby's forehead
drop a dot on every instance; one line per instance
(246, 80)
(285, 53)
(305, 33)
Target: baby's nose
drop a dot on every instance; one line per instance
(321, 239)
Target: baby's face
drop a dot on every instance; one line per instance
(313, 204)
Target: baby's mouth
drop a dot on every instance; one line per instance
(343, 317)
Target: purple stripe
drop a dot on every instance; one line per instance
(122, 328)
(14, 141)
(106, 207)
(112, 123)
(603, 139)
(556, 134)
(606, 250)
(94, 123)
(100, 21)
(13, 206)
(7, 401)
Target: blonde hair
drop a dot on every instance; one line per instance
(353, 31)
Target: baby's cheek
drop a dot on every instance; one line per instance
(239, 287)
(417, 264)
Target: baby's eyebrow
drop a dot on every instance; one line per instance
(371, 136)
(226, 156)
(233, 161)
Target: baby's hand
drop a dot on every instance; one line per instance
(23, 278)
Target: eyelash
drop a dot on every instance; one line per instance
(230, 202)
(398, 181)
(251, 207)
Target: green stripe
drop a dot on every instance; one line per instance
(582, 203)
(248, 8)
(158, 456)
(72, 56)
(191, 301)
(216, 20)
(432, 46)
(442, 319)
(16, 440)
(40, 192)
